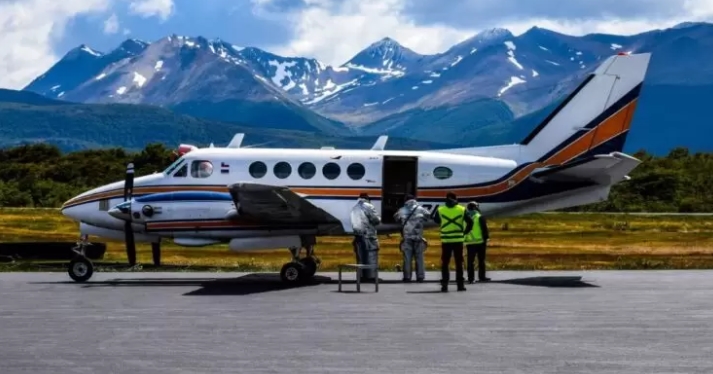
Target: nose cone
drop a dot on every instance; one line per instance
(71, 212)
(121, 211)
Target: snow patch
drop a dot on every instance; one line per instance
(281, 74)
(159, 65)
(60, 94)
(305, 91)
(387, 100)
(571, 58)
(414, 87)
(91, 51)
(510, 45)
(543, 48)
(511, 57)
(370, 104)
(434, 75)
(513, 81)
(54, 88)
(100, 76)
(387, 72)
(552, 62)
(139, 79)
(190, 43)
(330, 89)
(121, 90)
(579, 53)
(535, 73)
(615, 46)
(459, 59)
(237, 48)
(427, 81)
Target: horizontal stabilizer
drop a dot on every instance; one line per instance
(604, 169)
(276, 204)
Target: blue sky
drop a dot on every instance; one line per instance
(36, 33)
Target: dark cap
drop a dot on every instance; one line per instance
(408, 197)
(451, 195)
(363, 195)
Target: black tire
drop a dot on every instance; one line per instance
(310, 266)
(292, 273)
(80, 269)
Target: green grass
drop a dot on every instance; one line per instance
(532, 242)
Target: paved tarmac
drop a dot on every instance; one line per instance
(523, 322)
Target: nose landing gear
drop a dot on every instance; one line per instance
(80, 268)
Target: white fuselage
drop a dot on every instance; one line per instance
(329, 179)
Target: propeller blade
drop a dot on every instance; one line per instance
(128, 230)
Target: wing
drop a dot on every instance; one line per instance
(605, 169)
(276, 204)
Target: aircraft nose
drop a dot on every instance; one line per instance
(70, 212)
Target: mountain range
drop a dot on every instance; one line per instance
(492, 88)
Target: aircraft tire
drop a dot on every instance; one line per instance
(292, 273)
(80, 269)
(310, 267)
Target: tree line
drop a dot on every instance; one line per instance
(40, 175)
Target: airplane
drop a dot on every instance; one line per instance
(262, 199)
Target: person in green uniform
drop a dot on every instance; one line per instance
(475, 242)
(452, 219)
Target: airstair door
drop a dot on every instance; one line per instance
(399, 178)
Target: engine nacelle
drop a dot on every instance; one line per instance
(256, 244)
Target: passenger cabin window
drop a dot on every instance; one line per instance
(282, 170)
(442, 172)
(331, 170)
(257, 169)
(182, 172)
(307, 170)
(201, 169)
(356, 171)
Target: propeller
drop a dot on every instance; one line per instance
(128, 230)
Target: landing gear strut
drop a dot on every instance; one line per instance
(80, 268)
(301, 269)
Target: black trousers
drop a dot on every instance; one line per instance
(473, 251)
(448, 250)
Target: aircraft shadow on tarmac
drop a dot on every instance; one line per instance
(267, 282)
(550, 282)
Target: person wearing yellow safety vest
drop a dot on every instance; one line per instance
(454, 223)
(475, 242)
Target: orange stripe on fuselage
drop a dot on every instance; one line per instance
(614, 125)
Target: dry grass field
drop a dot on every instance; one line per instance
(533, 242)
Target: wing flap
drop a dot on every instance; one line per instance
(276, 204)
(602, 169)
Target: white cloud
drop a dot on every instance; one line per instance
(111, 25)
(28, 29)
(335, 30)
(148, 8)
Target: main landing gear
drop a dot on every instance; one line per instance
(80, 267)
(301, 269)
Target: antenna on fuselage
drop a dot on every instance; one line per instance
(380, 143)
(237, 141)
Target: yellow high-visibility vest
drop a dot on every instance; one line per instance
(452, 223)
(475, 236)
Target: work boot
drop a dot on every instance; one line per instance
(444, 288)
(461, 287)
(484, 279)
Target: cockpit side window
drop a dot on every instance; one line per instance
(201, 169)
(173, 166)
(182, 172)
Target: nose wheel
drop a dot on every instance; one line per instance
(80, 268)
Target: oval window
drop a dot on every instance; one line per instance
(201, 169)
(356, 171)
(257, 169)
(307, 170)
(282, 170)
(331, 170)
(442, 172)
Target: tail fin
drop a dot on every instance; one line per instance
(595, 117)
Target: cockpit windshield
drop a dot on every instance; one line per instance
(173, 166)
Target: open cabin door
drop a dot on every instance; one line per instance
(399, 178)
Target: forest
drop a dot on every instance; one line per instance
(41, 175)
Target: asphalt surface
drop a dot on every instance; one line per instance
(523, 322)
